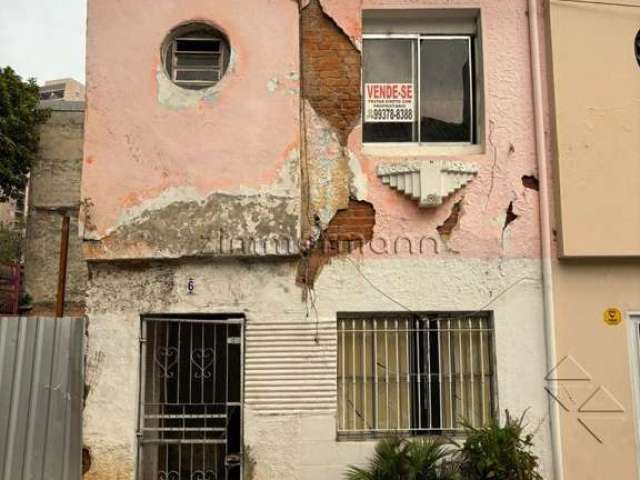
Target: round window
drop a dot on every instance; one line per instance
(196, 56)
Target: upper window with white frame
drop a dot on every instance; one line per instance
(414, 374)
(420, 78)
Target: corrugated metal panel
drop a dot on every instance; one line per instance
(41, 385)
(290, 367)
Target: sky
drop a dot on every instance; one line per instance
(44, 39)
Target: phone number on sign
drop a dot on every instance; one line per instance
(391, 114)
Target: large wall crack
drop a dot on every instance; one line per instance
(349, 231)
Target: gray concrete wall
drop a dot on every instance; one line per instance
(54, 192)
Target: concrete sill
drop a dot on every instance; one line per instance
(414, 150)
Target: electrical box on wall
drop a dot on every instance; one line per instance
(429, 181)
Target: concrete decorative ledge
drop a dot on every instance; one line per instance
(429, 181)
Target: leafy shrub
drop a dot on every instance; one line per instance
(496, 452)
(492, 452)
(403, 459)
(11, 243)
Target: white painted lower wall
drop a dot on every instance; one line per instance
(293, 443)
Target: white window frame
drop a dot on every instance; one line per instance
(473, 86)
(175, 69)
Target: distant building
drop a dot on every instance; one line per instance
(53, 193)
(65, 94)
(63, 89)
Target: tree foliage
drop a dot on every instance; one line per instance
(19, 131)
(11, 242)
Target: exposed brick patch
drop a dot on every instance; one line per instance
(353, 224)
(531, 182)
(330, 70)
(349, 230)
(451, 222)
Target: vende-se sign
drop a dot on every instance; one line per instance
(389, 102)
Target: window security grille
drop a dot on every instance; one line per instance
(414, 374)
(191, 406)
(197, 61)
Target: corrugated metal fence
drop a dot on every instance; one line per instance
(41, 386)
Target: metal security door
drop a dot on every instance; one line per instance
(190, 421)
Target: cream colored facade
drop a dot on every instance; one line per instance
(63, 89)
(595, 98)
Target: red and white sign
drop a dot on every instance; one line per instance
(389, 102)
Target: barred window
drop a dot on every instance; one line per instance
(416, 374)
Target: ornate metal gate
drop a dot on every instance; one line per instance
(190, 420)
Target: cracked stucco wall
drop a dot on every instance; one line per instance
(336, 171)
(258, 155)
(165, 169)
(330, 66)
(292, 445)
(149, 166)
(54, 191)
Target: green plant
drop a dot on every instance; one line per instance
(498, 452)
(11, 243)
(404, 459)
(20, 118)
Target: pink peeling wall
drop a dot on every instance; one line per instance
(233, 140)
(509, 148)
(144, 152)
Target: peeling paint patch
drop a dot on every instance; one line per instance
(246, 220)
(359, 182)
(446, 229)
(289, 83)
(327, 168)
(166, 198)
(221, 224)
(531, 182)
(174, 97)
(347, 14)
(273, 84)
(86, 227)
